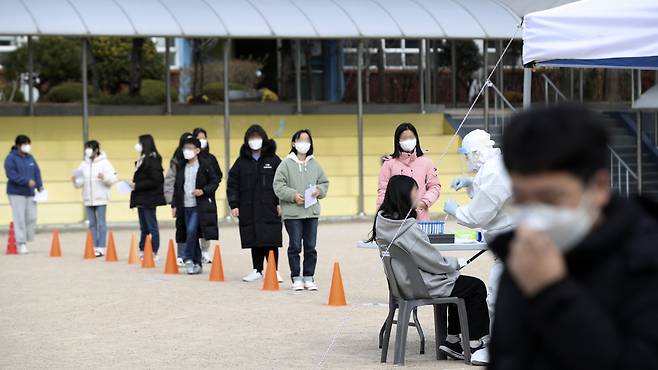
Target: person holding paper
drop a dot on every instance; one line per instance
(23, 178)
(298, 172)
(95, 176)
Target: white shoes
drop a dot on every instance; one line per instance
(156, 259)
(309, 284)
(480, 357)
(22, 249)
(297, 283)
(99, 252)
(278, 277)
(180, 262)
(253, 276)
(205, 257)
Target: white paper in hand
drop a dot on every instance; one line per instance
(41, 196)
(124, 187)
(309, 199)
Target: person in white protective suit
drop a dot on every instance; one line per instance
(490, 192)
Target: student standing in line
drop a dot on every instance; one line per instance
(408, 159)
(202, 135)
(169, 181)
(251, 197)
(194, 203)
(148, 191)
(23, 177)
(296, 174)
(95, 176)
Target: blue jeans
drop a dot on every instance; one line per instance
(148, 225)
(97, 224)
(303, 231)
(192, 247)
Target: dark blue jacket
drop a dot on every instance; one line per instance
(20, 169)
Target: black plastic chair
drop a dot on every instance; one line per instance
(419, 296)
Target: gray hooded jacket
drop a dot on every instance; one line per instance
(438, 272)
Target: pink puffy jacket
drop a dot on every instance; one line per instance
(421, 169)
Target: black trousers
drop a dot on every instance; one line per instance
(258, 255)
(474, 293)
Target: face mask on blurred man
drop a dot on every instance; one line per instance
(88, 152)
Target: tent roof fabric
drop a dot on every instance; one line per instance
(309, 19)
(648, 100)
(594, 33)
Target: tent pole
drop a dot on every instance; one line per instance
(453, 70)
(639, 83)
(429, 67)
(485, 51)
(527, 87)
(298, 75)
(30, 76)
(638, 144)
(279, 58)
(571, 90)
(227, 122)
(359, 123)
(85, 105)
(581, 88)
(421, 76)
(167, 78)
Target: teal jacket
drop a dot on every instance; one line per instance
(294, 176)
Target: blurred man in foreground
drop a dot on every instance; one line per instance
(580, 285)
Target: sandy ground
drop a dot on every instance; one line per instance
(71, 313)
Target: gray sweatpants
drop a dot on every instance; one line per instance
(24, 212)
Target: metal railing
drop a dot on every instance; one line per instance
(548, 83)
(624, 174)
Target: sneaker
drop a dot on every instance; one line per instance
(141, 255)
(253, 276)
(196, 269)
(98, 252)
(189, 266)
(180, 262)
(297, 283)
(205, 257)
(22, 249)
(452, 350)
(309, 284)
(156, 259)
(278, 277)
(480, 357)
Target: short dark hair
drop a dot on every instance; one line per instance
(396, 139)
(93, 144)
(296, 136)
(564, 137)
(20, 140)
(255, 129)
(191, 140)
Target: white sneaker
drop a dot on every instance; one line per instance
(189, 266)
(253, 276)
(205, 257)
(180, 262)
(309, 284)
(22, 249)
(156, 259)
(141, 255)
(480, 357)
(278, 277)
(297, 283)
(98, 252)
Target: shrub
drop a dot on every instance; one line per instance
(5, 94)
(215, 90)
(153, 92)
(66, 92)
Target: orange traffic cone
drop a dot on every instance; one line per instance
(271, 282)
(133, 256)
(171, 267)
(89, 247)
(111, 253)
(336, 293)
(11, 240)
(147, 260)
(217, 270)
(55, 246)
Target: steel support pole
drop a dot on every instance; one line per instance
(359, 124)
(298, 75)
(581, 88)
(30, 76)
(485, 51)
(429, 67)
(638, 144)
(421, 76)
(453, 70)
(227, 122)
(527, 87)
(632, 86)
(279, 62)
(85, 102)
(571, 84)
(167, 77)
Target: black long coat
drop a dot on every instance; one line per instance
(604, 315)
(208, 181)
(249, 188)
(149, 183)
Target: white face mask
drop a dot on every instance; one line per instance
(475, 161)
(255, 144)
(188, 154)
(566, 227)
(204, 143)
(88, 152)
(138, 148)
(408, 145)
(26, 148)
(302, 147)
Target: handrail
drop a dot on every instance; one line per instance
(628, 173)
(548, 82)
(501, 95)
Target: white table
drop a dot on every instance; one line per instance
(443, 247)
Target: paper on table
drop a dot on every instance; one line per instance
(309, 199)
(124, 187)
(41, 196)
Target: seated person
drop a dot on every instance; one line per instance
(580, 285)
(396, 218)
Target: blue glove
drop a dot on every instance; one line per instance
(450, 207)
(462, 182)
